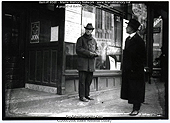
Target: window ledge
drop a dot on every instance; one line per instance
(97, 73)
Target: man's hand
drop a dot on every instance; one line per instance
(92, 54)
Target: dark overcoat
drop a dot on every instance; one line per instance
(85, 61)
(134, 59)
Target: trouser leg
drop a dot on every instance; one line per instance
(82, 77)
(88, 82)
(136, 106)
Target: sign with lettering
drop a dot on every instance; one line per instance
(72, 22)
(35, 31)
(156, 29)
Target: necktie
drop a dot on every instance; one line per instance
(128, 38)
(127, 42)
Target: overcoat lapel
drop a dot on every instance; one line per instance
(131, 41)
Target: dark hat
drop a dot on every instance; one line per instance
(134, 24)
(89, 26)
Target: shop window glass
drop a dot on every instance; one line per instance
(71, 56)
(108, 34)
(157, 37)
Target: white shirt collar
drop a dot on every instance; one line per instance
(131, 35)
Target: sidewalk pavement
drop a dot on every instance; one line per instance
(30, 103)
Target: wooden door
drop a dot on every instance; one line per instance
(42, 46)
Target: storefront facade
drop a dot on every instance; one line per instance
(51, 62)
(46, 36)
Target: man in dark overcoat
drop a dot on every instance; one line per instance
(134, 59)
(86, 48)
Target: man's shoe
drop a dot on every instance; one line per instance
(83, 99)
(134, 113)
(89, 98)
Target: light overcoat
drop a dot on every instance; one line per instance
(134, 59)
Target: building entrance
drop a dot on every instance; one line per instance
(13, 38)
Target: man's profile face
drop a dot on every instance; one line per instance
(129, 30)
(88, 31)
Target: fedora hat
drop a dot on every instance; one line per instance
(134, 24)
(89, 26)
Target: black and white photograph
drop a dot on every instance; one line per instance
(85, 61)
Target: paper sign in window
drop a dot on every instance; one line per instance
(54, 33)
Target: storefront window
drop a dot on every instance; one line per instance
(157, 37)
(108, 36)
(71, 56)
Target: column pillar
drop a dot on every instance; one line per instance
(61, 56)
(149, 40)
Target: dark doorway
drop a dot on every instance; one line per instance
(13, 47)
